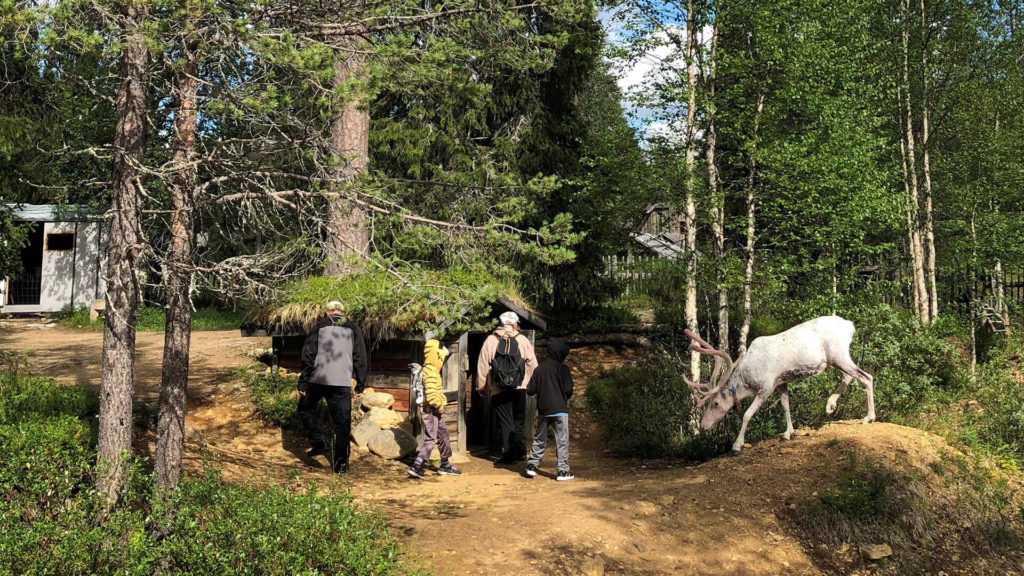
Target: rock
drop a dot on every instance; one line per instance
(384, 418)
(666, 500)
(373, 400)
(875, 551)
(362, 433)
(640, 546)
(592, 567)
(644, 508)
(392, 444)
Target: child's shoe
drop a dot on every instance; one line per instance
(416, 471)
(531, 470)
(447, 469)
(564, 475)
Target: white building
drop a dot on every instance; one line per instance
(63, 264)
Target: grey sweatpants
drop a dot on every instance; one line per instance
(560, 424)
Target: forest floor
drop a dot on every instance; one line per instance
(728, 516)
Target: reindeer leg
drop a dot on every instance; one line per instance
(852, 371)
(751, 410)
(784, 399)
(831, 406)
(869, 388)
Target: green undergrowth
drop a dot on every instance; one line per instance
(52, 522)
(386, 301)
(957, 509)
(275, 395)
(154, 319)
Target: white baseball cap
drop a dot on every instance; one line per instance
(509, 318)
(335, 306)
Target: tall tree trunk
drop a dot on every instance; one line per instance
(916, 289)
(348, 236)
(748, 274)
(717, 204)
(170, 427)
(690, 209)
(914, 227)
(929, 232)
(971, 308)
(123, 247)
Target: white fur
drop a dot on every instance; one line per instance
(772, 362)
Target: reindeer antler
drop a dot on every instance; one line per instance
(720, 374)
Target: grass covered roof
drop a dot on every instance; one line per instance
(388, 302)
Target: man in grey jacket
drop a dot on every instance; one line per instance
(333, 356)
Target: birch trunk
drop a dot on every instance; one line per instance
(748, 274)
(717, 205)
(914, 232)
(690, 210)
(170, 429)
(929, 233)
(348, 237)
(122, 297)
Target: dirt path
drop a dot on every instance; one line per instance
(724, 517)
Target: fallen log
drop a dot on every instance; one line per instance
(608, 338)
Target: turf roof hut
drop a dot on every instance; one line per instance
(392, 347)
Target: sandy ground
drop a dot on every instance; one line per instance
(618, 517)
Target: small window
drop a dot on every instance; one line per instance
(63, 242)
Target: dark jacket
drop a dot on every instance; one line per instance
(551, 382)
(333, 354)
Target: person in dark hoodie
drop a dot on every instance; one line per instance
(333, 360)
(551, 383)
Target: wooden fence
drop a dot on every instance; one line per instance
(963, 287)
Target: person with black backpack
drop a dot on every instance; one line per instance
(505, 365)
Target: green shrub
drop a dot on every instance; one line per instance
(52, 522)
(996, 424)
(274, 396)
(153, 319)
(970, 510)
(265, 529)
(648, 411)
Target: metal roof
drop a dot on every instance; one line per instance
(53, 212)
(665, 245)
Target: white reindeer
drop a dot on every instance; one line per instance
(771, 363)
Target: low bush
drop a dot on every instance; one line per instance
(992, 421)
(52, 522)
(153, 319)
(958, 507)
(275, 396)
(648, 411)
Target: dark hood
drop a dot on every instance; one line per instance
(557, 349)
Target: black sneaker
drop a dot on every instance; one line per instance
(317, 450)
(531, 470)
(564, 475)
(415, 471)
(447, 469)
(507, 458)
(340, 467)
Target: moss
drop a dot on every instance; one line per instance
(386, 301)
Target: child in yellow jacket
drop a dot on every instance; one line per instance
(436, 429)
